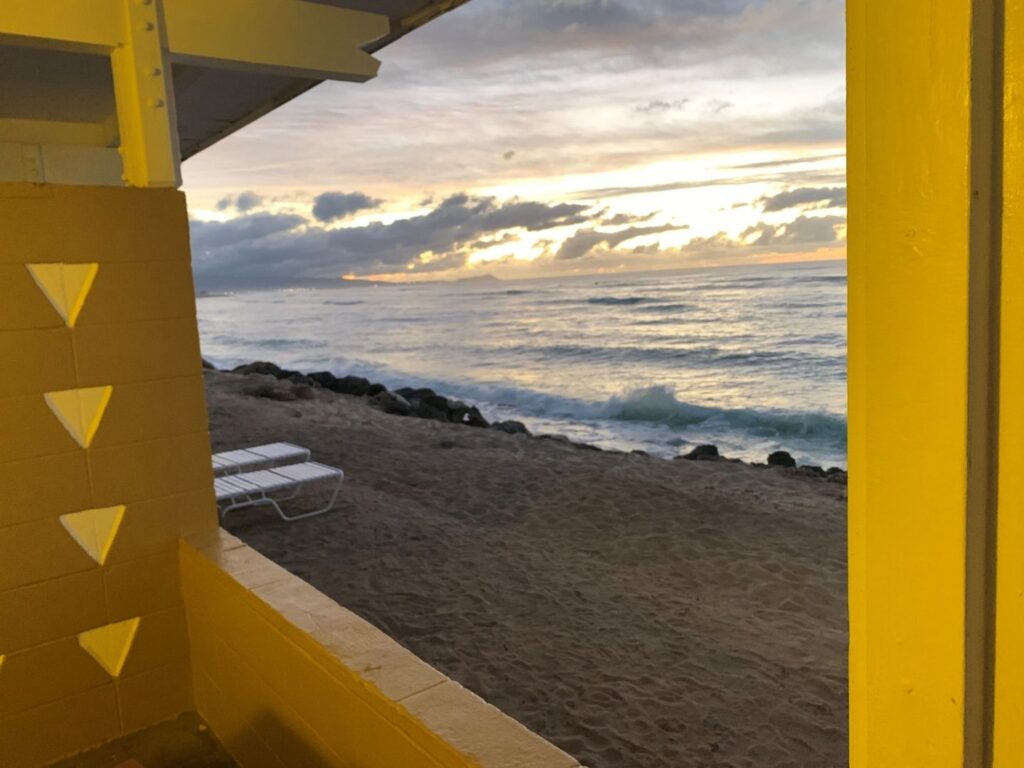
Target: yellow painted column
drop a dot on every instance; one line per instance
(1008, 729)
(104, 464)
(920, 460)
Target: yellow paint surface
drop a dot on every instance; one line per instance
(67, 286)
(95, 529)
(80, 410)
(1008, 728)
(111, 644)
(909, 160)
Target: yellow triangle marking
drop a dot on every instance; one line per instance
(80, 410)
(66, 286)
(111, 644)
(94, 529)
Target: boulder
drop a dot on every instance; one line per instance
(351, 385)
(375, 389)
(325, 379)
(703, 453)
(511, 427)
(298, 378)
(208, 366)
(781, 459)
(259, 366)
(390, 402)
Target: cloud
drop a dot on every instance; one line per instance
(804, 230)
(658, 105)
(583, 241)
(243, 202)
(331, 206)
(266, 250)
(825, 197)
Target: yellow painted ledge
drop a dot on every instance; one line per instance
(282, 672)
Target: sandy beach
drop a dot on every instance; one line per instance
(638, 612)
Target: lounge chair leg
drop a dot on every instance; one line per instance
(314, 513)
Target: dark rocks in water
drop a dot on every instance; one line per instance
(375, 389)
(703, 453)
(781, 459)
(351, 385)
(391, 402)
(588, 447)
(511, 427)
(835, 471)
(208, 366)
(325, 379)
(836, 475)
(469, 415)
(556, 438)
(415, 393)
(298, 378)
(638, 452)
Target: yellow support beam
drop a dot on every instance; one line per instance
(920, 381)
(276, 36)
(1008, 729)
(81, 24)
(145, 99)
(19, 131)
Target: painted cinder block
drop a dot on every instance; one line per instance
(50, 610)
(155, 525)
(122, 353)
(161, 639)
(138, 291)
(42, 735)
(154, 696)
(142, 586)
(43, 487)
(350, 714)
(125, 474)
(241, 741)
(30, 429)
(107, 224)
(22, 305)
(481, 731)
(39, 551)
(152, 410)
(47, 673)
(41, 361)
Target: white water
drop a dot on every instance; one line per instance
(752, 359)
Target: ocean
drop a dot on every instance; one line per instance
(752, 359)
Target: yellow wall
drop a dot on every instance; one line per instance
(1009, 679)
(286, 677)
(96, 491)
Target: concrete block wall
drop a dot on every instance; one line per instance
(286, 677)
(104, 464)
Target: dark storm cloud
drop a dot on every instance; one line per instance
(586, 240)
(265, 250)
(331, 206)
(823, 197)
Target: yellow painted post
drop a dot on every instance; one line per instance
(920, 392)
(1008, 729)
(145, 99)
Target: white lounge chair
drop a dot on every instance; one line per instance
(253, 489)
(258, 457)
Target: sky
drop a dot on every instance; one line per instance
(533, 138)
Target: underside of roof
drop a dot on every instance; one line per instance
(213, 103)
